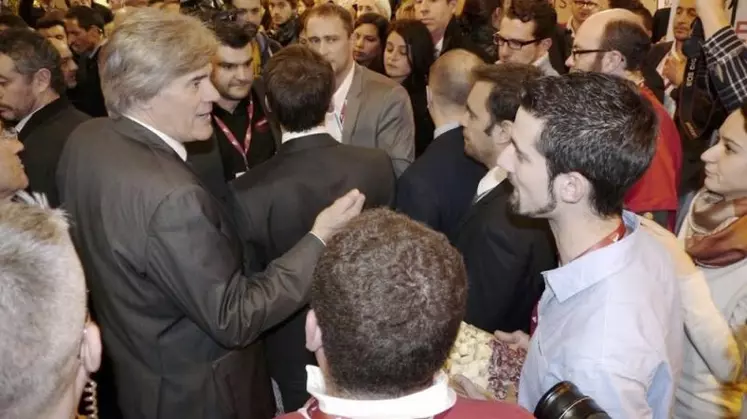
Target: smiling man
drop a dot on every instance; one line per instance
(180, 317)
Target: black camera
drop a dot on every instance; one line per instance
(565, 401)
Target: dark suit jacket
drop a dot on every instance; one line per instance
(163, 264)
(44, 137)
(276, 204)
(438, 188)
(562, 42)
(378, 114)
(505, 255)
(87, 95)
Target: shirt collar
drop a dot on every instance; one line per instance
(582, 273)
(175, 145)
(426, 403)
(543, 64)
(445, 128)
(493, 178)
(287, 136)
(22, 123)
(440, 46)
(342, 92)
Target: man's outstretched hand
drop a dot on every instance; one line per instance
(336, 216)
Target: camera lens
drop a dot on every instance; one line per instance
(565, 401)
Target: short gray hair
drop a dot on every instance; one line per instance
(147, 51)
(42, 309)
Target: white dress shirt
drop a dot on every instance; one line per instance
(287, 136)
(493, 178)
(439, 47)
(424, 404)
(175, 145)
(335, 120)
(443, 129)
(611, 322)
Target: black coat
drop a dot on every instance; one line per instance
(87, 95)
(44, 137)
(276, 204)
(505, 255)
(454, 38)
(163, 263)
(437, 188)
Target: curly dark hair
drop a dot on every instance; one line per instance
(540, 12)
(389, 294)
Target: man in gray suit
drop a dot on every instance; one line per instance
(368, 109)
(178, 317)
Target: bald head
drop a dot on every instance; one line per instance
(450, 78)
(621, 36)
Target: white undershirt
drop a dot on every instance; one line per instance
(334, 120)
(175, 145)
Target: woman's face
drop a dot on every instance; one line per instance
(367, 44)
(726, 162)
(397, 58)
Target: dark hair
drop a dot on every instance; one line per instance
(597, 125)
(49, 22)
(86, 17)
(507, 80)
(12, 21)
(329, 10)
(540, 12)
(31, 52)
(420, 51)
(629, 39)
(645, 14)
(636, 7)
(478, 12)
(233, 34)
(378, 21)
(389, 294)
(300, 84)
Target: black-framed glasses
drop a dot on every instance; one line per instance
(586, 4)
(577, 52)
(514, 44)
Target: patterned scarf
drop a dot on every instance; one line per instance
(717, 232)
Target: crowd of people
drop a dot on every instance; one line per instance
(288, 208)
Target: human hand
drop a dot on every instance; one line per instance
(336, 216)
(674, 69)
(515, 340)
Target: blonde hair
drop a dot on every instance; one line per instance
(42, 309)
(147, 51)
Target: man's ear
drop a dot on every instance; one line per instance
(572, 187)
(545, 44)
(90, 348)
(313, 332)
(42, 80)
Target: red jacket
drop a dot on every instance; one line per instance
(462, 409)
(656, 190)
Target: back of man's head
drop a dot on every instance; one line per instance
(42, 310)
(34, 58)
(451, 78)
(300, 84)
(11, 21)
(507, 84)
(596, 125)
(630, 39)
(389, 294)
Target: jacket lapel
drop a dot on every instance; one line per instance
(352, 104)
(133, 130)
(41, 116)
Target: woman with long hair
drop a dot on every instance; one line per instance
(369, 35)
(408, 56)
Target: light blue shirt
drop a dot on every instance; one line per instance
(611, 323)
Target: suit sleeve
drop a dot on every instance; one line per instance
(198, 266)
(396, 129)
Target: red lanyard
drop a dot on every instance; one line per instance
(314, 412)
(243, 150)
(617, 234)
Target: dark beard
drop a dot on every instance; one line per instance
(538, 213)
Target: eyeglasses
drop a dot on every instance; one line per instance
(514, 44)
(577, 52)
(586, 4)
